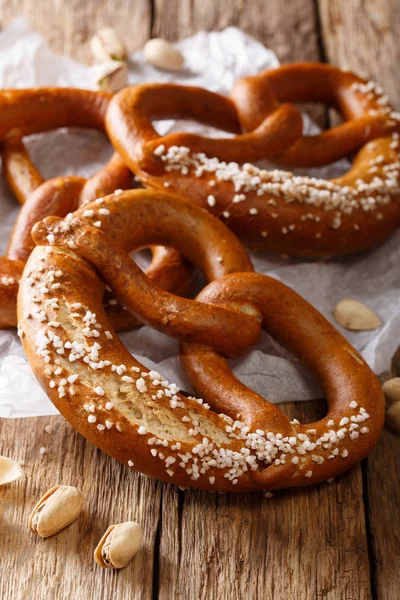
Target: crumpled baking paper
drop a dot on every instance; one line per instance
(215, 61)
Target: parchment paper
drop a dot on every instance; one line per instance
(215, 61)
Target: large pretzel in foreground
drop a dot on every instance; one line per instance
(23, 112)
(272, 210)
(235, 440)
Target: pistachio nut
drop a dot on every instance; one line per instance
(393, 415)
(355, 315)
(163, 55)
(106, 45)
(118, 545)
(10, 470)
(112, 76)
(391, 388)
(59, 507)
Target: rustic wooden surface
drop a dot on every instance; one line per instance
(337, 541)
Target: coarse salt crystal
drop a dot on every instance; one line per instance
(211, 200)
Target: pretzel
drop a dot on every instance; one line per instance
(272, 210)
(28, 111)
(236, 440)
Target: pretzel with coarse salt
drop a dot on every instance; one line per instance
(272, 210)
(29, 111)
(235, 441)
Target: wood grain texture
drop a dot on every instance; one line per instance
(303, 544)
(288, 28)
(62, 567)
(364, 36)
(210, 546)
(383, 515)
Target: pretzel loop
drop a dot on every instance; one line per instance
(131, 131)
(224, 329)
(311, 82)
(273, 210)
(352, 390)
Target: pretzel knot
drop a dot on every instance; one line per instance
(232, 440)
(23, 112)
(272, 210)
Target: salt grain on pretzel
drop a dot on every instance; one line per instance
(272, 210)
(236, 440)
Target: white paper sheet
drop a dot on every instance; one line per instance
(215, 61)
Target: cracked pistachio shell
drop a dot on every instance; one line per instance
(10, 470)
(112, 76)
(106, 45)
(58, 508)
(118, 545)
(355, 315)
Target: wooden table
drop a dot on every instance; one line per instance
(337, 541)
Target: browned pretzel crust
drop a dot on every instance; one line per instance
(272, 210)
(29, 111)
(235, 442)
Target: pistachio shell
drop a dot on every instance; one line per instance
(59, 507)
(106, 45)
(10, 470)
(393, 415)
(112, 76)
(118, 545)
(391, 388)
(355, 315)
(163, 55)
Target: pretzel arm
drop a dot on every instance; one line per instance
(181, 318)
(10, 276)
(114, 176)
(20, 173)
(23, 112)
(58, 197)
(272, 136)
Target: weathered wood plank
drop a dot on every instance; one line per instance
(307, 543)
(68, 26)
(211, 546)
(383, 490)
(62, 567)
(363, 35)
